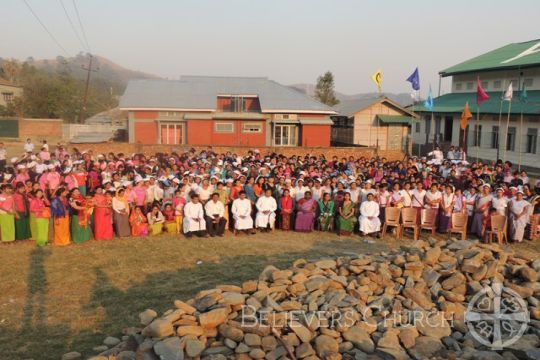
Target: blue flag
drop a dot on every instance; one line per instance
(429, 101)
(414, 79)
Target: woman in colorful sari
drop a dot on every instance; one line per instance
(60, 215)
(481, 212)
(305, 215)
(120, 207)
(170, 219)
(326, 213)
(103, 229)
(139, 225)
(7, 213)
(286, 209)
(346, 219)
(22, 222)
(80, 228)
(155, 221)
(447, 208)
(42, 213)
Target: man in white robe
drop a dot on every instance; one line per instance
(215, 216)
(266, 211)
(241, 211)
(369, 216)
(194, 218)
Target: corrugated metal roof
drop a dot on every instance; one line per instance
(395, 119)
(90, 138)
(350, 107)
(200, 93)
(454, 103)
(516, 55)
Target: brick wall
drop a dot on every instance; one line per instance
(40, 129)
(242, 150)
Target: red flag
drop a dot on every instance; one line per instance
(481, 94)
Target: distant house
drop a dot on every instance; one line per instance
(230, 111)
(379, 122)
(8, 92)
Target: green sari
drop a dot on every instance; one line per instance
(79, 233)
(326, 217)
(7, 227)
(346, 226)
(22, 226)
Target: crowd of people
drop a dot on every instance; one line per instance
(61, 197)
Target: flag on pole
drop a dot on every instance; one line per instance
(509, 93)
(465, 116)
(429, 101)
(414, 79)
(377, 78)
(481, 94)
(523, 94)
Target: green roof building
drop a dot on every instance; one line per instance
(492, 136)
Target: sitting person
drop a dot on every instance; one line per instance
(194, 217)
(138, 222)
(170, 219)
(241, 211)
(305, 216)
(266, 211)
(369, 217)
(155, 220)
(215, 212)
(326, 211)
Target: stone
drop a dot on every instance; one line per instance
(425, 348)
(213, 318)
(325, 345)
(252, 340)
(451, 343)
(111, 341)
(522, 291)
(242, 349)
(318, 283)
(257, 354)
(249, 287)
(304, 350)
(189, 330)
(147, 316)
(158, 328)
(233, 298)
(231, 332)
(326, 264)
(360, 338)
(432, 255)
(301, 331)
(408, 336)
(194, 347)
(231, 344)
(528, 274)
(419, 298)
(434, 325)
(268, 343)
(71, 355)
(453, 281)
(266, 274)
(126, 355)
(169, 349)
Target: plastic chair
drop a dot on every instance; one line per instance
(392, 217)
(459, 225)
(408, 218)
(428, 219)
(499, 228)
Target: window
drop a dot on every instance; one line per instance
(477, 135)
(511, 139)
(224, 127)
(171, 134)
(495, 137)
(459, 86)
(469, 85)
(238, 104)
(285, 135)
(169, 114)
(8, 96)
(528, 82)
(484, 85)
(531, 140)
(497, 84)
(417, 126)
(251, 128)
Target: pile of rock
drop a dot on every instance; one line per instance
(350, 307)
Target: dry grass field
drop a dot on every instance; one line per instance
(54, 300)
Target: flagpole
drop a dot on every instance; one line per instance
(499, 131)
(520, 135)
(506, 133)
(433, 126)
(477, 132)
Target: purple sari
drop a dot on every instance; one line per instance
(305, 217)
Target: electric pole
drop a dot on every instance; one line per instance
(85, 99)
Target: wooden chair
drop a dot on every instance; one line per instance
(428, 219)
(408, 217)
(499, 228)
(459, 225)
(392, 217)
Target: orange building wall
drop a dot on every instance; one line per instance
(315, 135)
(202, 132)
(145, 132)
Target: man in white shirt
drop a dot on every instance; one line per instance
(194, 218)
(215, 220)
(28, 146)
(369, 216)
(266, 211)
(241, 211)
(154, 192)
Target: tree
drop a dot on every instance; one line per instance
(324, 91)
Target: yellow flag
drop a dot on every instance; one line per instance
(377, 78)
(465, 116)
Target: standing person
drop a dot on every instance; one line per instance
(60, 215)
(7, 213)
(215, 216)
(80, 227)
(470, 201)
(418, 196)
(22, 222)
(3, 156)
(369, 216)
(39, 207)
(179, 202)
(194, 217)
(155, 220)
(241, 211)
(326, 213)
(103, 228)
(28, 146)
(121, 210)
(286, 206)
(305, 214)
(447, 208)
(519, 216)
(500, 202)
(481, 211)
(138, 222)
(266, 211)
(346, 219)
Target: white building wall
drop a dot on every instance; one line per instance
(497, 80)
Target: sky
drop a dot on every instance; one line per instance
(289, 41)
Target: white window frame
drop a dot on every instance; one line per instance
(497, 84)
(172, 127)
(459, 86)
(216, 124)
(292, 135)
(256, 128)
